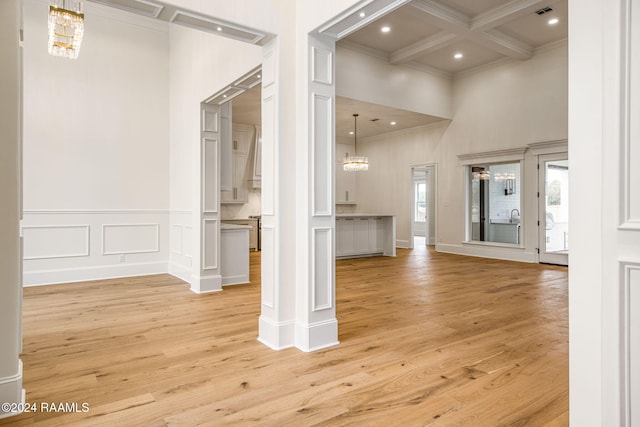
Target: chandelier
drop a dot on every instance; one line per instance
(355, 163)
(66, 27)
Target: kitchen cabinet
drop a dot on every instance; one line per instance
(234, 253)
(345, 230)
(345, 181)
(360, 235)
(253, 232)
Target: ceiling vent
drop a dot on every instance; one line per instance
(374, 120)
(544, 10)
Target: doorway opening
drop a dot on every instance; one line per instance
(422, 206)
(553, 209)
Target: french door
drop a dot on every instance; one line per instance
(553, 205)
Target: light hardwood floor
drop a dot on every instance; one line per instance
(426, 339)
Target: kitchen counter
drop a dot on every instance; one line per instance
(254, 232)
(365, 234)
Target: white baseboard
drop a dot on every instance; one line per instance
(432, 241)
(235, 280)
(276, 335)
(317, 336)
(11, 392)
(206, 284)
(83, 274)
(404, 244)
(494, 252)
(180, 271)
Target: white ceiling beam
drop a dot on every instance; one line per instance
(446, 17)
(455, 22)
(423, 47)
(505, 44)
(507, 12)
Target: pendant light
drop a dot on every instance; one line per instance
(66, 28)
(355, 163)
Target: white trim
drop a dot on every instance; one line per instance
(349, 22)
(156, 249)
(276, 335)
(72, 255)
(330, 256)
(100, 211)
(404, 244)
(316, 336)
(206, 284)
(507, 254)
(84, 274)
(506, 155)
(625, 323)
(254, 36)
(180, 271)
(11, 391)
(549, 147)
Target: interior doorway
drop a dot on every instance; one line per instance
(422, 205)
(553, 208)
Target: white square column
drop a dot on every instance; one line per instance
(298, 158)
(11, 207)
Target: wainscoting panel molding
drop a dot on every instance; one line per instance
(56, 241)
(130, 238)
(75, 245)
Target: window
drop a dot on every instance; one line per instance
(494, 214)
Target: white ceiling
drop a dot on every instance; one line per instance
(426, 34)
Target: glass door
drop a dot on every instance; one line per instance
(553, 202)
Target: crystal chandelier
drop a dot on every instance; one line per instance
(66, 27)
(355, 163)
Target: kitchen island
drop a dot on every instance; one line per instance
(363, 234)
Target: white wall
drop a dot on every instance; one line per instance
(366, 78)
(506, 106)
(387, 186)
(96, 149)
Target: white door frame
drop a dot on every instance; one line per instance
(560, 258)
(432, 188)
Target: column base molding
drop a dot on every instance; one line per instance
(276, 335)
(206, 284)
(317, 336)
(11, 391)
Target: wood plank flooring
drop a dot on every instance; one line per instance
(426, 339)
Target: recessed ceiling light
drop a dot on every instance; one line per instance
(362, 14)
(350, 132)
(458, 55)
(219, 28)
(393, 123)
(553, 21)
(224, 96)
(258, 76)
(385, 29)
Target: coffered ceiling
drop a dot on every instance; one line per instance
(429, 33)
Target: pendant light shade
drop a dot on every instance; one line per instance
(355, 163)
(66, 28)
